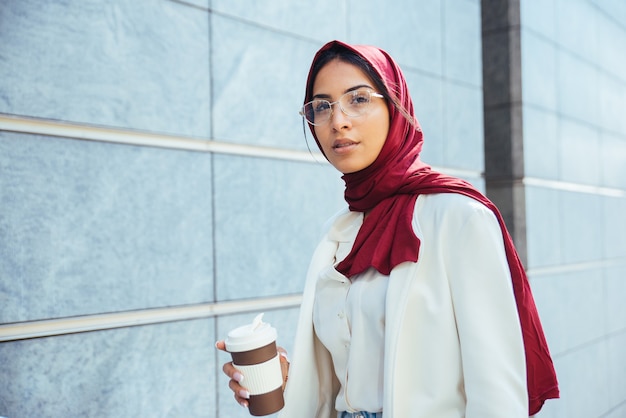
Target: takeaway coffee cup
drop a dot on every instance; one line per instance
(253, 349)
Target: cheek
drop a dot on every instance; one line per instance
(322, 136)
(381, 131)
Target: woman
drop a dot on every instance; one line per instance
(416, 303)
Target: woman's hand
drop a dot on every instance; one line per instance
(284, 365)
(236, 378)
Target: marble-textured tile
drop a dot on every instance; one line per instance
(478, 182)
(612, 38)
(612, 102)
(577, 87)
(571, 16)
(612, 8)
(614, 227)
(410, 31)
(539, 84)
(582, 378)
(463, 127)
(579, 153)
(269, 216)
(543, 236)
(258, 92)
(615, 310)
(132, 66)
(284, 320)
(613, 160)
(462, 42)
(571, 307)
(539, 17)
(616, 374)
(541, 143)
(617, 411)
(165, 370)
(426, 92)
(581, 238)
(322, 20)
(91, 227)
(203, 4)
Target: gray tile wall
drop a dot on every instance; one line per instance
(166, 370)
(574, 90)
(89, 227)
(119, 63)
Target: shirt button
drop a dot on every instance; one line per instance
(341, 315)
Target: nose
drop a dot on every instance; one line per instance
(338, 119)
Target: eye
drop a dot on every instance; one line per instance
(320, 106)
(359, 97)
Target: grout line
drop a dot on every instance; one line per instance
(35, 126)
(614, 408)
(577, 267)
(86, 323)
(607, 336)
(68, 130)
(574, 187)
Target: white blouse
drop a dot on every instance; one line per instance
(453, 343)
(349, 319)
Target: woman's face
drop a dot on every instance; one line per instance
(350, 143)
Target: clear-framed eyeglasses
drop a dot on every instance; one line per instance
(354, 103)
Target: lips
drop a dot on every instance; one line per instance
(343, 143)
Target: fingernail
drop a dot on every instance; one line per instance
(238, 377)
(283, 355)
(244, 394)
(244, 404)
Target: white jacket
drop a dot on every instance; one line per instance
(453, 342)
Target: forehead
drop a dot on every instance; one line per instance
(337, 76)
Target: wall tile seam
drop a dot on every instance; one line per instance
(121, 136)
(266, 27)
(608, 15)
(594, 341)
(442, 23)
(575, 54)
(572, 187)
(407, 68)
(142, 317)
(20, 125)
(599, 128)
(191, 5)
(462, 83)
(616, 407)
(599, 264)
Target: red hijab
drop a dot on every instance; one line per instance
(389, 188)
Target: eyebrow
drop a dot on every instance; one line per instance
(327, 96)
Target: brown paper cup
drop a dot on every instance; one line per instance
(254, 354)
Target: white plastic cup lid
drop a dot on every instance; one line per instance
(251, 336)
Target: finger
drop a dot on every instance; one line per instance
(230, 371)
(282, 352)
(220, 345)
(241, 393)
(243, 402)
(284, 365)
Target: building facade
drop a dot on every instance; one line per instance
(157, 189)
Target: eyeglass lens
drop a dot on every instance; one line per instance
(353, 103)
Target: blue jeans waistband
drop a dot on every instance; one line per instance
(361, 414)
